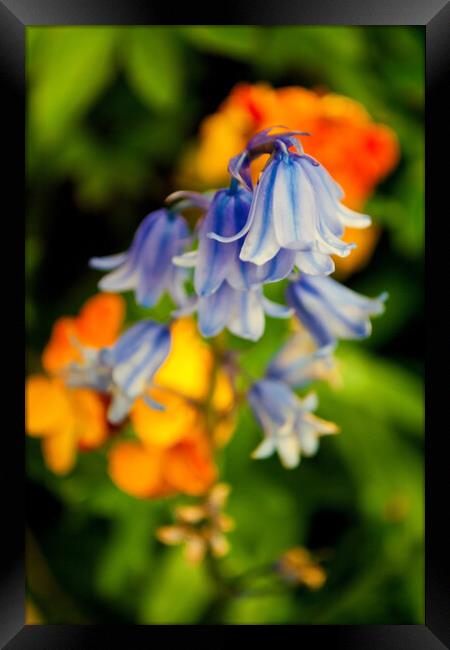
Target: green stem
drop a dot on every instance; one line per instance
(224, 586)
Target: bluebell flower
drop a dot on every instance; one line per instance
(288, 424)
(259, 144)
(331, 311)
(242, 312)
(147, 266)
(124, 370)
(295, 206)
(300, 362)
(215, 262)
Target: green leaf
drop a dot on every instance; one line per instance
(238, 42)
(382, 388)
(311, 49)
(380, 412)
(154, 65)
(71, 67)
(127, 555)
(260, 610)
(177, 591)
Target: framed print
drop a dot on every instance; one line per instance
(224, 415)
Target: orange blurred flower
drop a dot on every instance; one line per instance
(174, 450)
(149, 471)
(70, 419)
(298, 566)
(97, 325)
(357, 152)
(65, 419)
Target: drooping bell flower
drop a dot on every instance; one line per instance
(331, 311)
(215, 262)
(288, 424)
(147, 268)
(295, 206)
(300, 361)
(124, 370)
(241, 312)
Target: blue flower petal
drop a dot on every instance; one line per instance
(214, 311)
(294, 206)
(273, 403)
(247, 320)
(275, 310)
(314, 263)
(187, 260)
(299, 361)
(318, 329)
(108, 262)
(331, 311)
(152, 403)
(119, 408)
(279, 266)
(228, 211)
(260, 244)
(324, 190)
(353, 219)
(138, 354)
(147, 266)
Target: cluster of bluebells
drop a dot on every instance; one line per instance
(288, 225)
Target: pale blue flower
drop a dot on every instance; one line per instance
(124, 370)
(289, 427)
(215, 262)
(147, 266)
(295, 206)
(241, 312)
(300, 361)
(331, 311)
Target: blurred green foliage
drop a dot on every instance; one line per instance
(110, 111)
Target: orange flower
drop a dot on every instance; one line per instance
(189, 468)
(298, 566)
(366, 241)
(66, 419)
(163, 428)
(146, 471)
(69, 419)
(174, 451)
(356, 151)
(97, 325)
(136, 469)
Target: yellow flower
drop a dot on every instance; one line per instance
(163, 428)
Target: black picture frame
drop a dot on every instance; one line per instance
(15, 16)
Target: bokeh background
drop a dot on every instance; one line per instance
(113, 123)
